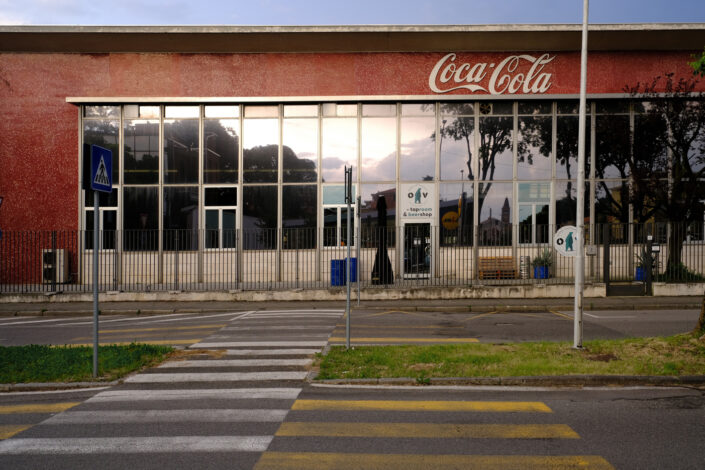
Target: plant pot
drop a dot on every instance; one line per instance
(540, 272)
(640, 274)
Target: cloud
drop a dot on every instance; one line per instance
(12, 19)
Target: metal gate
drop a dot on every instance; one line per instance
(622, 277)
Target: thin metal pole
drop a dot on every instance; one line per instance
(580, 210)
(96, 216)
(348, 261)
(359, 237)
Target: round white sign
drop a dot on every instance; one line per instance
(565, 240)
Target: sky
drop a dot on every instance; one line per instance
(347, 12)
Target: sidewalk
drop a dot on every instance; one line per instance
(457, 305)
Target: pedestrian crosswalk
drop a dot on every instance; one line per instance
(219, 407)
(236, 399)
(422, 434)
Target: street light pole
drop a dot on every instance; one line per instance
(580, 200)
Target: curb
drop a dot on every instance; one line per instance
(49, 386)
(535, 381)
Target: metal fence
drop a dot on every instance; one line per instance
(411, 255)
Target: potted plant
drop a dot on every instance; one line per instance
(541, 263)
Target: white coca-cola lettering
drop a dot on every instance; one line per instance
(504, 77)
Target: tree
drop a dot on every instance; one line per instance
(495, 138)
(699, 64)
(668, 175)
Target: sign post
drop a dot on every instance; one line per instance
(101, 178)
(580, 200)
(348, 261)
(568, 241)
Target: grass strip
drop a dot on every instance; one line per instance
(41, 363)
(671, 356)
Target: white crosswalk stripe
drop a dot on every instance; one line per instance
(248, 344)
(237, 363)
(215, 377)
(270, 352)
(122, 445)
(226, 403)
(167, 416)
(119, 395)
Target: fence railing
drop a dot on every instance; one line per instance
(412, 255)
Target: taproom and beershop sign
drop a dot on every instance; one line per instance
(514, 74)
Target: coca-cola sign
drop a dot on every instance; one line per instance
(514, 74)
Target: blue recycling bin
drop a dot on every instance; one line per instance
(353, 270)
(338, 271)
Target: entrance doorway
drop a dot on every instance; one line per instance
(417, 251)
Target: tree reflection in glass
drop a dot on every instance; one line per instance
(221, 148)
(300, 150)
(260, 150)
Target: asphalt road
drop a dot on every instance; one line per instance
(367, 326)
(239, 400)
(399, 326)
(362, 428)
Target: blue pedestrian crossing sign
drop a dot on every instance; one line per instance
(101, 169)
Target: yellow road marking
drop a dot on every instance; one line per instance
(340, 461)
(126, 343)
(38, 408)
(388, 327)
(480, 316)
(9, 430)
(136, 330)
(388, 312)
(391, 405)
(429, 430)
(562, 315)
(404, 340)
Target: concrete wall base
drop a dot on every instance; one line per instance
(538, 291)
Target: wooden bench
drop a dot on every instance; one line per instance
(497, 267)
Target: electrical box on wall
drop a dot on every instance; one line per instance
(55, 266)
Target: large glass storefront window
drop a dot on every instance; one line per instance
(261, 144)
(335, 215)
(377, 217)
(300, 146)
(299, 213)
(534, 201)
(101, 126)
(221, 144)
(338, 142)
(457, 145)
(612, 202)
(181, 144)
(566, 203)
(535, 141)
(379, 143)
(259, 217)
(612, 140)
(140, 218)
(180, 218)
(141, 151)
(567, 127)
(455, 212)
(495, 204)
(417, 143)
(168, 158)
(496, 146)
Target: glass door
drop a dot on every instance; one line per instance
(417, 250)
